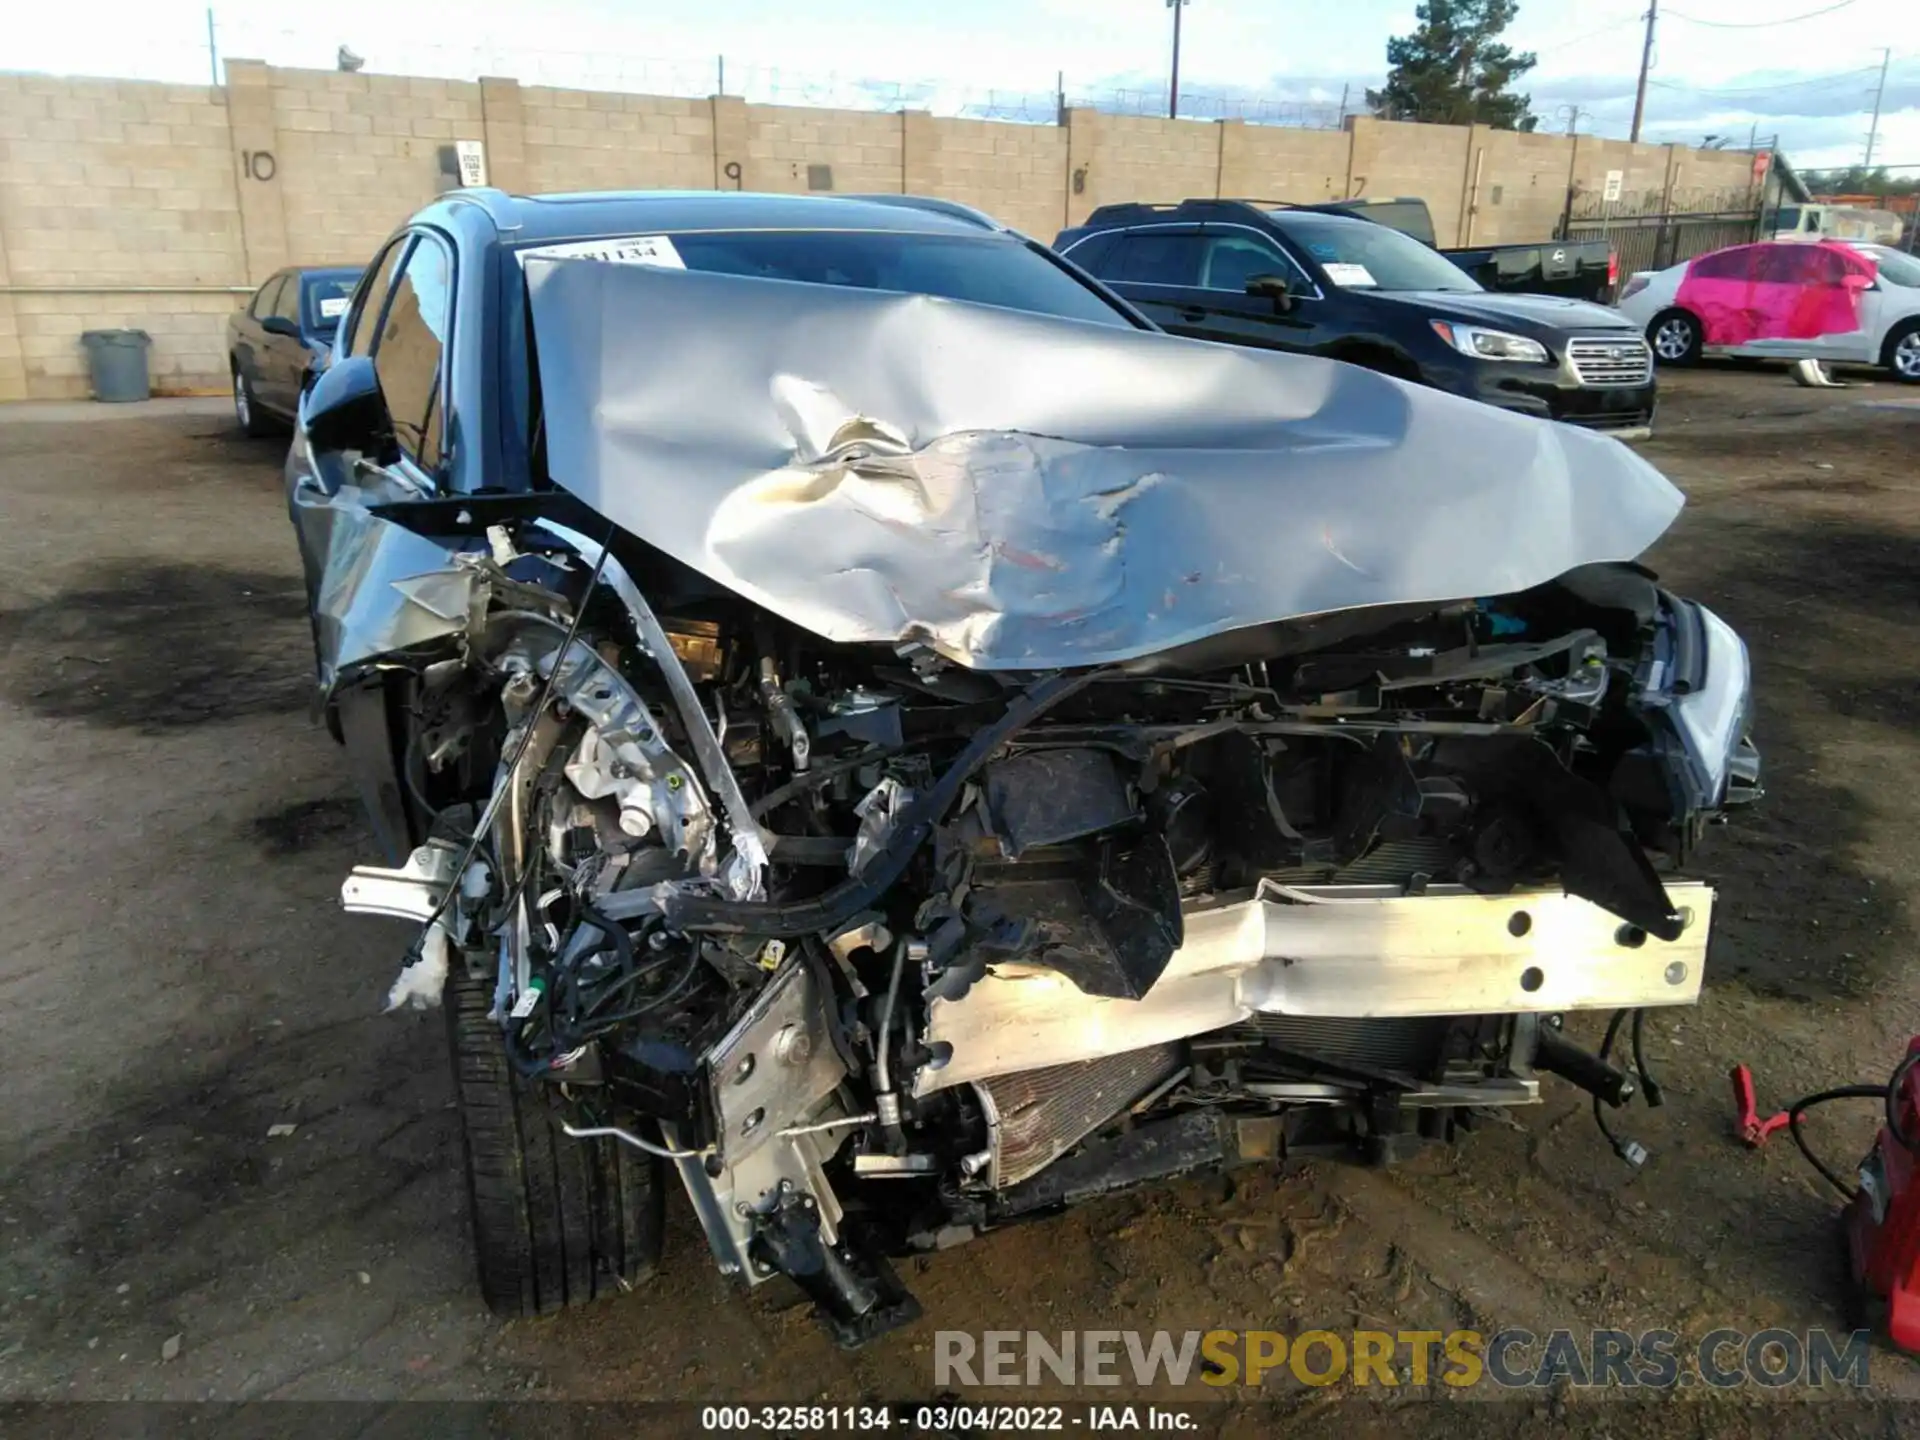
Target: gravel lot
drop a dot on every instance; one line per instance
(176, 978)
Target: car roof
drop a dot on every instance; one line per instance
(1127, 214)
(528, 218)
(328, 272)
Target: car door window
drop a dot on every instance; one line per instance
(266, 297)
(286, 303)
(1735, 264)
(366, 315)
(1232, 260)
(1788, 264)
(1156, 258)
(408, 354)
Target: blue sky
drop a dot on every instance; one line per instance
(1810, 82)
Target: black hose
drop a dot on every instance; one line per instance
(1894, 1087)
(602, 1023)
(1889, 1097)
(813, 779)
(915, 824)
(1618, 1145)
(518, 1057)
(1649, 1087)
(1801, 1106)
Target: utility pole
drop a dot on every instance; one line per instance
(1879, 92)
(1173, 88)
(213, 50)
(1646, 63)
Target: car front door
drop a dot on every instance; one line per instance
(252, 357)
(1835, 271)
(1232, 255)
(286, 354)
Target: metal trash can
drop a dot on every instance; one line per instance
(117, 362)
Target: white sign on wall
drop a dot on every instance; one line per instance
(472, 155)
(1614, 179)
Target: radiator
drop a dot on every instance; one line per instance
(1039, 1115)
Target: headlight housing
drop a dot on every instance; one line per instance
(1712, 713)
(1698, 674)
(1484, 344)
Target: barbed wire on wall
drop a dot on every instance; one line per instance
(759, 84)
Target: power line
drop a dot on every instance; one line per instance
(1758, 24)
(1590, 35)
(1766, 89)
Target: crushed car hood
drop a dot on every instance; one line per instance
(1020, 492)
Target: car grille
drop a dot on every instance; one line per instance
(1622, 361)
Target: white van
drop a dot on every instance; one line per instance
(1836, 222)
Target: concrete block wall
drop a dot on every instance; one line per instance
(581, 140)
(355, 154)
(120, 184)
(1016, 173)
(1522, 191)
(1270, 162)
(1394, 157)
(160, 206)
(862, 150)
(1117, 158)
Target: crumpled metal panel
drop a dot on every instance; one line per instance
(1022, 492)
(373, 587)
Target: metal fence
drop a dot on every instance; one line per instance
(1653, 229)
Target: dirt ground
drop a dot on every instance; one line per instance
(176, 978)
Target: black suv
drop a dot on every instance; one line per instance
(1319, 282)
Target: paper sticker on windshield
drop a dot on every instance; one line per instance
(1344, 274)
(626, 250)
(333, 307)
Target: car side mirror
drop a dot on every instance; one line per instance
(346, 411)
(1276, 287)
(280, 325)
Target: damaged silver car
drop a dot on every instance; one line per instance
(859, 719)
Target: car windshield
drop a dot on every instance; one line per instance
(1895, 266)
(1360, 255)
(327, 297)
(985, 270)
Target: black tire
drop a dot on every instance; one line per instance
(1675, 324)
(556, 1221)
(246, 409)
(1901, 354)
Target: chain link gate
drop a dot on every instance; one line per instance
(1652, 229)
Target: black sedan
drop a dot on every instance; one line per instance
(276, 344)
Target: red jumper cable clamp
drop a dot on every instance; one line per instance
(1753, 1130)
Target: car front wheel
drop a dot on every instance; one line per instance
(1675, 338)
(557, 1222)
(1902, 355)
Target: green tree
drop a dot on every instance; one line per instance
(1858, 180)
(1453, 70)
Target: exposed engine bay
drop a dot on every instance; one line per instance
(882, 951)
(911, 765)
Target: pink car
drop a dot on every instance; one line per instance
(1841, 301)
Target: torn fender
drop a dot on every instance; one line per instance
(1018, 491)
